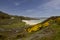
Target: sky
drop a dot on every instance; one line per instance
(31, 8)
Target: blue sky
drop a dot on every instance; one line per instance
(31, 8)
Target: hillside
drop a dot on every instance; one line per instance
(4, 15)
(7, 16)
(10, 21)
(12, 28)
(47, 30)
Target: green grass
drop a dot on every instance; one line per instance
(17, 23)
(56, 34)
(11, 23)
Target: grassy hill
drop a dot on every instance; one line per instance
(12, 28)
(8, 21)
(47, 30)
(7, 16)
(4, 15)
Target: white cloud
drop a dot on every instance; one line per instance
(51, 8)
(30, 10)
(17, 4)
(54, 4)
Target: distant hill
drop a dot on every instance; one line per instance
(4, 15)
(7, 16)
